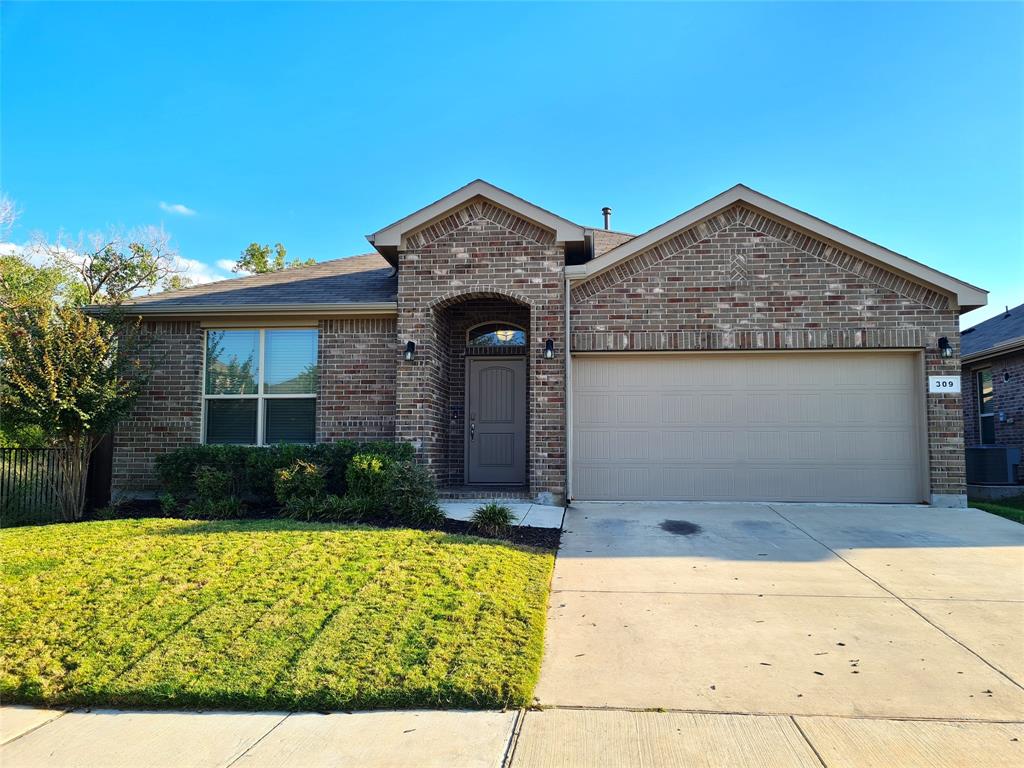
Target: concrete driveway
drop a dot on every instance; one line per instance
(788, 609)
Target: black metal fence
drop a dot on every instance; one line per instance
(30, 481)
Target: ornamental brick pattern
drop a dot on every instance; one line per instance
(356, 396)
(480, 252)
(168, 412)
(1008, 397)
(740, 280)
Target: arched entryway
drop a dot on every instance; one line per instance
(483, 342)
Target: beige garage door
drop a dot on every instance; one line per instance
(811, 426)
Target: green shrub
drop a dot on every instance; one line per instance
(253, 470)
(216, 509)
(168, 503)
(213, 484)
(411, 495)
(367, 475)
(302, 480)
(493, 519)
(327, 508)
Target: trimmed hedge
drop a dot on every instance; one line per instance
(251, 471)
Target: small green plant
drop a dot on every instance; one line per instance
(328, 508)
(302, 480)
(112, 511)
(493, 519)
(227, 508)
(168, 504)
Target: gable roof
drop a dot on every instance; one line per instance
(967, 296)
(388, 240)
(356, 283)
(997, 335)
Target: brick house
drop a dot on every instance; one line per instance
(992, 357)
(742, 350)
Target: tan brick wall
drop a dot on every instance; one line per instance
(168, 412)
(356, 397)
(481, 252)
(741, 280)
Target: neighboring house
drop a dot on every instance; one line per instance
(992, 355)
(742, 350)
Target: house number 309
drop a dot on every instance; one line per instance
(949, 385)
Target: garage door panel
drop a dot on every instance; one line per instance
(801, 427)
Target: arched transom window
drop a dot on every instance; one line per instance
(496, 336)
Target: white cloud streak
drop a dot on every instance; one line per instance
(199, 272)
(177, 208)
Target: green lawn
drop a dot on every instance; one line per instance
(1011, 509)
(267, 615)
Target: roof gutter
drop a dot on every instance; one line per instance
(206, 310)
(1002, 348)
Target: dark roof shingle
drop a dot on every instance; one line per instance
(983, 336)
(366, 279)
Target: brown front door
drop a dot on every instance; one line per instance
(496, 421)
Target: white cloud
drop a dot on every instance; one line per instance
(11, 249)
(227, 265)
(197, 271)
(177, 208)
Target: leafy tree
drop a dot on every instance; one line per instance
(177, 282)
(260, 259)
(24, 285)
(70, 378)
(114, 266)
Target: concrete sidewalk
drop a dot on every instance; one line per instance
(558, 738)
(34, 738)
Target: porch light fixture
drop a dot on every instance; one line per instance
(549, 349)
(410, 350)
(944, 348)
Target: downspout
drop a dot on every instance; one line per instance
(568, 394)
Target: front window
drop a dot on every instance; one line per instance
(986, 407)
(259, 386)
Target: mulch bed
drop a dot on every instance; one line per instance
(523, 535)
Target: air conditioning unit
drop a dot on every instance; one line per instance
(992, 465)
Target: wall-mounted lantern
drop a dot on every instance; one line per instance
(410, 351)
(549, 349)
(944, 348)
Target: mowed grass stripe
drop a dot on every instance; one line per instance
(268, 614)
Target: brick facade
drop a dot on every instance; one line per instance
(168, 413)
(742, 281)
(738, 280)
(1008, 392)
(478, 252)
(356, 396)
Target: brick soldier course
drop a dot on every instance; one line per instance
(741, 277)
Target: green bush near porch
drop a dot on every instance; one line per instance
(270, 614)
(252, 471)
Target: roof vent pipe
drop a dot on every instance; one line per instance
(607, 213)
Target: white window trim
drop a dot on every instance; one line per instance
(259, 395)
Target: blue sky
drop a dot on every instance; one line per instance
(314, 124)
